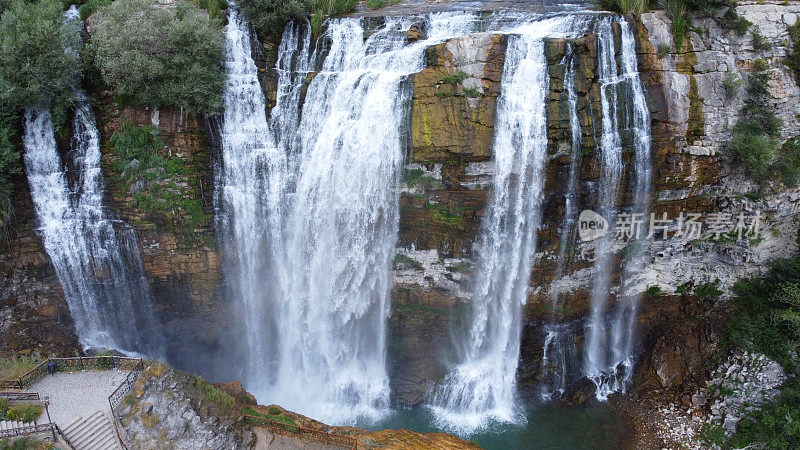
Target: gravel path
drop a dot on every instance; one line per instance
(78, 393)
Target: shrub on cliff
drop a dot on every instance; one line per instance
(40, 54)
(269, 17)
(766, 319)
(159, 55)
(9, 166)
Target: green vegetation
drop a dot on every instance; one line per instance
(40, 54)
(731, 20)
(455, 78)
(289, 423)
(732, 84)
(664, 49)
(213, 7)
(471, 92)
(652, 291)
(212, 394)
(403, 259)
(416, 177)
(680, 12)
(711, 434)
(105, 360)
(25, 443)
(158, 183)
(10, 166)
(788, 163)
(681, 22)
(625, 6)
(793, 57)
(91, 6)
(18, 365)
(376, 4)
(767, 320)
(159, 55)
(707, 291)
(150, 420)
(759, 42)
(755, 137)
(322, 9)
(22, 413)
(269, 17)
(461, 267)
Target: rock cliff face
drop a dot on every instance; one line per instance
(33, 313)
(179, 248)
(692, 118)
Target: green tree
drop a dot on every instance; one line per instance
(9, 167)
(161, 55)
(269, 17)
(40, 54)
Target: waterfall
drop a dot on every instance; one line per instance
(96, 258)
(250, 189)
(557, 348)
(310, 210)
(608, 360)
(481, 388)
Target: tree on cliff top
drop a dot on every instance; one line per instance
(40, 54)
(160, 55)
(269, 17)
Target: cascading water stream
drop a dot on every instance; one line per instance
(624, 323)
(609, 352)
(96, 259)
(312, 219)
(251, 187)
(481, 388)
(557, 347)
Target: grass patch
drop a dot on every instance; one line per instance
(377, 4)
(25, 443)
(788, 162)
(754, 138)
(732, 84)
(625, 6)
(18, 365)
(652, 292)
(22, 413)
(160, 185)
(766, 319)
(455, 78)
(731, 20)
(711, 434)
(150, 420)
(212, 394)
(471, 92)
(664, 49)
(403, 259)
(288, 423)
(707, 291)
(759, 42)
(88, 8)
(461, 267)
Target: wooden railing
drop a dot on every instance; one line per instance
(20, 396)
(64, 364)
(116, 397)
(325, 436)
(135, 366)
